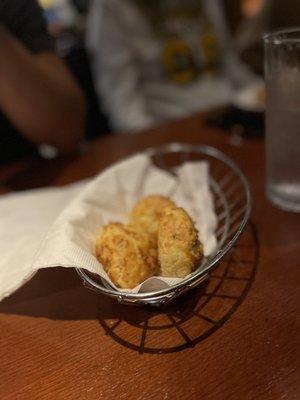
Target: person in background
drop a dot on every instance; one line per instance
(258, 17)
(39, 99)
(158, 60)
(255, 18)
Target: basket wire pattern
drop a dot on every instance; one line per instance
(232, 202)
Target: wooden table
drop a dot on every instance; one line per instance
(236, 337)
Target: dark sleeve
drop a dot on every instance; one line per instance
(24, 19)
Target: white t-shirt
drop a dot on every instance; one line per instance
(150, 68)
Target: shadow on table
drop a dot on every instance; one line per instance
(192, 317)
(59, 294)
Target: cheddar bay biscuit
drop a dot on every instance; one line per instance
(179, 250)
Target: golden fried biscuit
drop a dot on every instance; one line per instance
(179, 249)
(148, 211)
(128, 256)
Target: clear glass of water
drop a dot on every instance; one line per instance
(282, 73)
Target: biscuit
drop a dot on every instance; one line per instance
(179, 250)
(147, 212)
(128, 256)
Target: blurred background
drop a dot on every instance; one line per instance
(67, 22)
(247, 21)
(141, 63)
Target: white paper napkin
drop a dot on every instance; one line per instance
(70, 241)
(25, 218)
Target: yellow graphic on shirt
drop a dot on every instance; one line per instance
(178, 62)
(190, 45)
(211, 52)
(183, 64)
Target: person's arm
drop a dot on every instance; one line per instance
(39, 96)
(115, 69)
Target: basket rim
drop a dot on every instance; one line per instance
(200, 275)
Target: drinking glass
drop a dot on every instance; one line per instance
(282, 74)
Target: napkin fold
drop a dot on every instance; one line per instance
(25, 218)
(80, 211)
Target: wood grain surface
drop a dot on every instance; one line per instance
(236, 337)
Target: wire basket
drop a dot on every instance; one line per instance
(232, 202)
